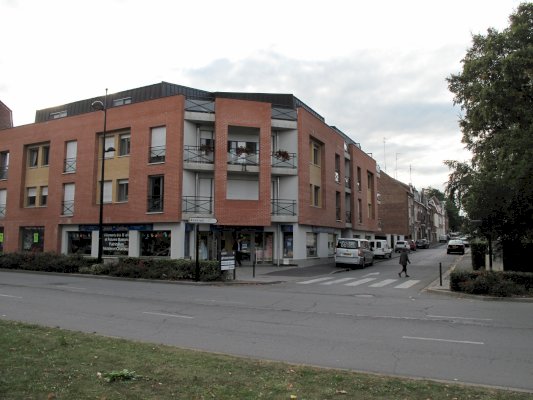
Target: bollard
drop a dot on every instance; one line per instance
(440, 273)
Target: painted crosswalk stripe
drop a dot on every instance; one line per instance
(407, 284)
(384, 282)
(337, 281)
(360, 282)
(315, 281)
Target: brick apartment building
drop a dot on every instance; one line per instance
(6, 117)
(265, 168)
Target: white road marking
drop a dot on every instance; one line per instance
(360, 282)
(168, 315)
(314, 281)
(371, 274)
(442, 340)
(8, 295)
(407, 284)
(337, 281)
(465, 318)
(384, 282)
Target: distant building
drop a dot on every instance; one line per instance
(262, 167)
(6, 117)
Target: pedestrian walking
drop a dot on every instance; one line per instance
(237, 248)
(404, 260)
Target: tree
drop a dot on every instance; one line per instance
(495, 92)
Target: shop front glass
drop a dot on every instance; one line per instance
(79, 243)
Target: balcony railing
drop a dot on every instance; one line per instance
(199, 154)
(243, 158)
(283, 160)
(70, 165)
(283, 207)
(197, 205)
(2, 210)
(155, 204)
(157, 154)
(3, 172)
(348, 182)
(348, 217)
(67, 207)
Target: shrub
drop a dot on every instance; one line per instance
(478, 250)
(49, 262)
(501, 284)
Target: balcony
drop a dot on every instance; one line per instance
(283, 159)
(284, 210)
(348, 217)
(199, 156)
(197, 205)
(67, 208)
(348, 182)
(243, 156)
(155, 204)
(69, 165)
(157, 154)
(2, 210)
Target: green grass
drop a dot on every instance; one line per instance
(47, 363)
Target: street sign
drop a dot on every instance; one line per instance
(202, 220)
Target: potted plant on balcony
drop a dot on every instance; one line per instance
(282, 155)
(206, 148)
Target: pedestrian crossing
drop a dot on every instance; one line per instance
(373, 282)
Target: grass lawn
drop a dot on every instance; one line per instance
(47, 363)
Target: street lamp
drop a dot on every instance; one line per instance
(99, 106)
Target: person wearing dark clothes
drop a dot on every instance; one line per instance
(404, 260)
(237, 249)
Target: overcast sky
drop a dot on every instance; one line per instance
(374, 69)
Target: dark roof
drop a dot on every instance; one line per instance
(165, 89)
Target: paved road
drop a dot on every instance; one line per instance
(388, 330)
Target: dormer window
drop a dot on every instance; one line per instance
(122, 101)
(59, 114)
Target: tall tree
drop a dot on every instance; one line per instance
(495, 92)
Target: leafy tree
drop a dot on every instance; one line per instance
(495, 92)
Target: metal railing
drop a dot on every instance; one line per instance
(244, 158)
(157, 154)
(199, 154)
(283, 207)
(155, 203)
(284, 160)
(348, 182)
(67, 207)
(70, 165)
(197, 205)
(348, 217)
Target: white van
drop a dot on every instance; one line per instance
(354, 252)
(380, 248)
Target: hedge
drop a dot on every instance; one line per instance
(498, 283)
(128, 267)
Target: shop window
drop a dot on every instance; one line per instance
(32, 239)
(79, 243)
(155, 243)
(116, 243)
(311, 244)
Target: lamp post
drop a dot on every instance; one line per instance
(99, 106)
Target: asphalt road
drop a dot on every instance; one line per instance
(405, 332)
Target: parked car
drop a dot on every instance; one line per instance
(354, 252)
(443, 238)
(412, 245)
(464, 239)
(400, 245)
(422, 244)
(380, 248)
(455, 246)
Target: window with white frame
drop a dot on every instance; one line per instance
(33, 157)
(124, 144)
(31, 196)
(158, 138)
(43, 199)
(68, 198)
(109, 146)
(71, 151)
(108, 191)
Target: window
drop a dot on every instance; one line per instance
(68, 198)
(4, 164)
(315, 196)
(359, 178)
(45, 154)
(337, 168)
(79, 243)
(155, 193)
(121, 102)
(122, 186)
(33, 157)
(3, 197)
(44, 196)
(155, 243)
(109, 147)
(31, 197)
(124, 145)
(360, 210)
(315, 153)
(108, 192)
(71, 154)
(158, 144)
(32, 239)
(338, 206)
